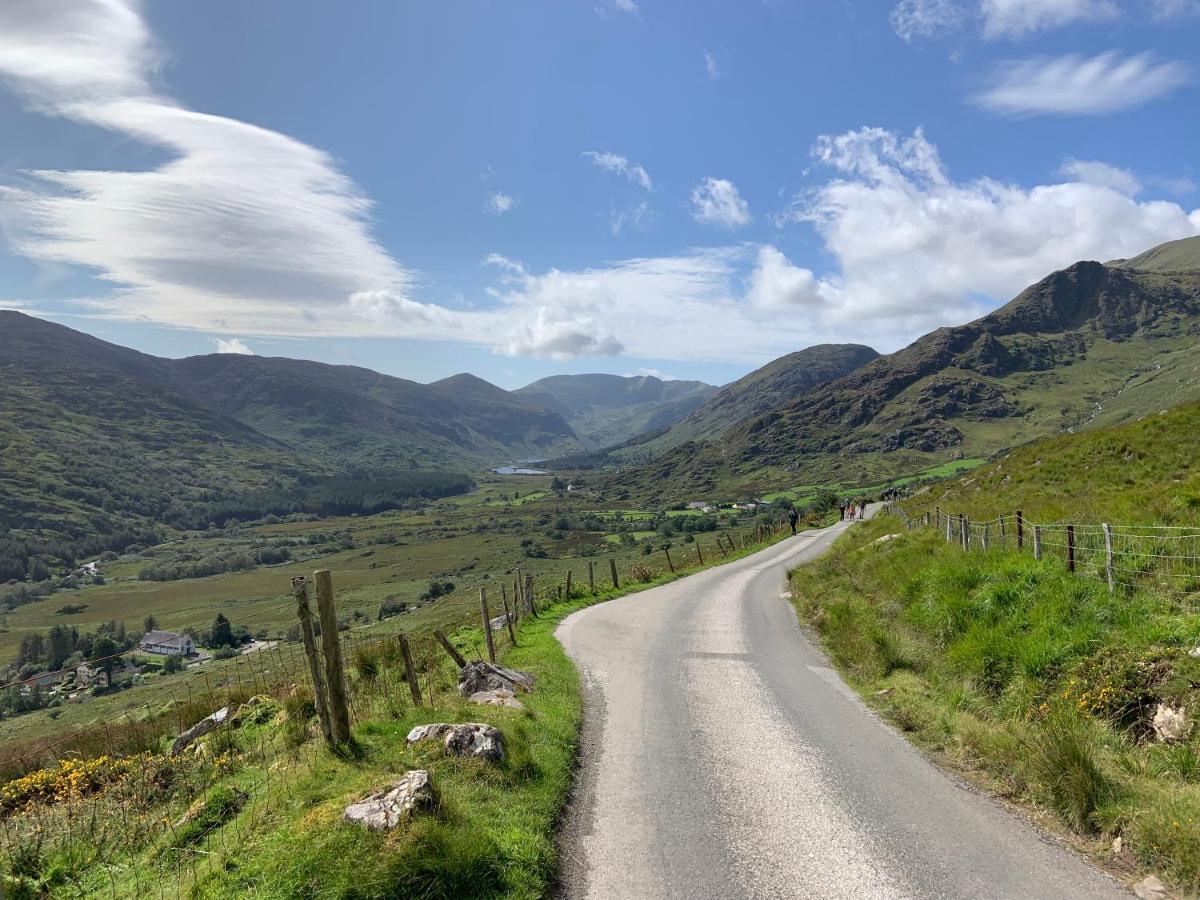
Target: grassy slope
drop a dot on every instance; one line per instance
(1040, 683)
(491, 835)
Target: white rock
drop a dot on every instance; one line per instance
(497, 698)
(201, 728)
(1150, 888)
(1194, 653)
(467, 739)
(884, 539)
(387, 809)
(1171, 724)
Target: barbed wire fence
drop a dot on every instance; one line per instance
(1124, 557)
(118, 808)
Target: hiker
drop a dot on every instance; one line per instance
(841, 512)
(793, 518)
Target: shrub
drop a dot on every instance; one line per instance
(642, 574)
(1062, 756)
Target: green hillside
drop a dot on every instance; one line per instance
(100, 445)
(609, 409)
(775, 384)
(1086, 346)
(1038, 684)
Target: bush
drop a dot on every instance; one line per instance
(225, 652)
(642, 574)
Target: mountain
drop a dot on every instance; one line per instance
(1091, 344)
(98, 443)
(356, 417)
(609, 409)
(764, 389)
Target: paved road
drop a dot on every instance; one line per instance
(723, 758)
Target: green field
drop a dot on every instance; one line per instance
(473, 541)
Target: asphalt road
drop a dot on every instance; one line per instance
(723, 758)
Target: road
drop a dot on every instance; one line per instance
(723, 758)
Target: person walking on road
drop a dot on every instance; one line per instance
(793, 518)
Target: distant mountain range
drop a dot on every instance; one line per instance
(1094, 343)
(610, 409)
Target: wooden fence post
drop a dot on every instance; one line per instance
(962, 530)
(516, 607)
(592, 576)
(948, 537)
(699, 555)
(450, 648)
(508, 619)
(487, 625)
(984, 538)
(1020, 530)
(1108, 558)
(1070, 548)
(529, 595)
(300, 586)
(410, 671)
(331, 644)
(1003, 534)
(1037, 542)
(670, 564)
(568, 584)
(612, 567)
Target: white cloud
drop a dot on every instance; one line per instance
(652, 373)
(499, 203)
(916, 249)
(635, 216)
(604, 8)
(239, 229)
(234, 345)
(776, 283)
(1167, 10)
(1100, 173)
(1076, 85)
(1017, 18)
(711, 67)
(716, 201)
(913, 19)
(613, 162)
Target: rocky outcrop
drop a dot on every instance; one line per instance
(1171, 724)
(483, 676)
(467, 739)
(386, 809)
(201, 728)
(499, 697)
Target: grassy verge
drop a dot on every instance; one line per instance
(1040, 684)
(257, 811)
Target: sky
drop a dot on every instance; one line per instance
(685, 188)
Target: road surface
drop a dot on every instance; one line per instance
(723, 758)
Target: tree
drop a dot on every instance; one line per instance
(149, 624)
(59, 646)
(222, 633)
(173, 663)
(103, 653)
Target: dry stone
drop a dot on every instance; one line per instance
(483, 676)
(499, 697)
(1171, 724)
(201, 728)
(466, 739)
(1150, 888)
(388, 808)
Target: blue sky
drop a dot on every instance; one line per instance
(522, 189)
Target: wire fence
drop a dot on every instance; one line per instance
(118, 808)
(1163, 557)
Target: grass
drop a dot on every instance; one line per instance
(1039, 683)
(258, 810)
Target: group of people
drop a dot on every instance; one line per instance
(853, 509)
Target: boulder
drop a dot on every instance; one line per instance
(201, 728)
(884, 539)
(483, 676)
(1150, 888)
(1171, 724)
(388, 808)
(499, 697)
(467, 739)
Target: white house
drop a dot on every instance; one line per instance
(167, 643)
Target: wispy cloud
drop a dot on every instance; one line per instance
(605, 8)
(710, 66)
(716, 201)
(913, 19)
(1078, 85)
(240, 227)
(1017, 18)
(1090, 171)
(498, 203)
(614, 162)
